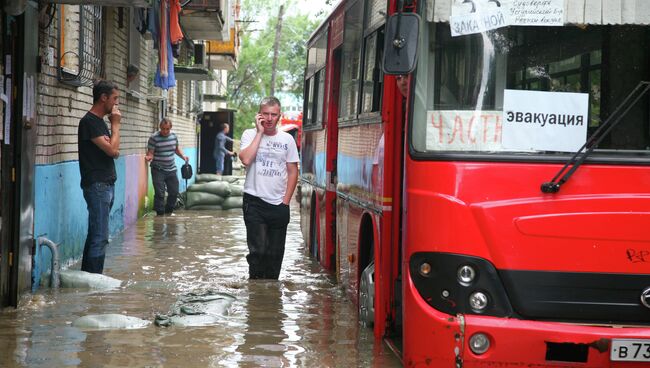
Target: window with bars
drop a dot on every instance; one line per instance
(80, 44)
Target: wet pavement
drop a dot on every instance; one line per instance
(302, 320)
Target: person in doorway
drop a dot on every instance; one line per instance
(161, 148)
(271, 160)
(98, 148)
(220, 151)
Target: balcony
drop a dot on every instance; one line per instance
(223, 54)
(205, 19)
(133, 3)
(188, 73)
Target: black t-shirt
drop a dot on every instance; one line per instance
(94, 165)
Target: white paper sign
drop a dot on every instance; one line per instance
(478, 22)
(536, 12)
(31, 93)
(477, 16)
(3, 96)
(7, 127)
(545, 121)
(25, 96)
(462, 130)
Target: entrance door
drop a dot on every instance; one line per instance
(211, 122)
(20, 48)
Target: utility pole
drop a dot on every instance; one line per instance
(276, 47)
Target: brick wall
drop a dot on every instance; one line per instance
(61, 106)
(184, 120)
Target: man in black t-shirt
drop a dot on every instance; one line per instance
(97, 150)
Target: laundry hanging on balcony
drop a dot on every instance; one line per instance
(165, 29)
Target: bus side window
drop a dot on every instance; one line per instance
(372, 76)
(320, 96)
(352, 39)
(309, 102)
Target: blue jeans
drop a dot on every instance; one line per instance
(99, 198)
(218, 159)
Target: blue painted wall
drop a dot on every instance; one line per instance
(60, 212)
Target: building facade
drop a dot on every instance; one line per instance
(52, 54)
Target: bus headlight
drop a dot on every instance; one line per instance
(425, 269)
(466, 275)
(479, 343)
(459, 284)
(478, 301)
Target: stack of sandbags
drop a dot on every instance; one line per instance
(215, 192)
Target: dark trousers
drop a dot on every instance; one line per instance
(99, 199)
(164, 181)
(266, 232)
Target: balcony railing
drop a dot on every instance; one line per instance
(213, 5)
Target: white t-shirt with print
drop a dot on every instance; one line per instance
(266, 176)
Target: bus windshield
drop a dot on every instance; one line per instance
(530, 90)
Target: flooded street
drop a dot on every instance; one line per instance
(302, 320)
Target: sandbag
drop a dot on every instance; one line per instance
(197, 309)
(204, 178)
(233, 202)
(236, 190)
(219, 188)
(109, 322)
(230, 179)
(202, 198)
(203, 207)
(83, 279)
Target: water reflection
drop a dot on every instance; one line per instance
(262, 340)
(302, 320)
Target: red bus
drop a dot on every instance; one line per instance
(291, 122)
(497, 215)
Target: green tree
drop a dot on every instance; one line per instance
(251, 81)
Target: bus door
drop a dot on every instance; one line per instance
(328, 258)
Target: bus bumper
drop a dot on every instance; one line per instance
(435, 339)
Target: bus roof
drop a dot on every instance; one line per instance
(336, 10)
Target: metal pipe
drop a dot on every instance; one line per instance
(55, 280)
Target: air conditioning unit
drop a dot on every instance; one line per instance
(200, 57)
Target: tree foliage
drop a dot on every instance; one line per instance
(251, 81)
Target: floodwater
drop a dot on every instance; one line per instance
(302, 320)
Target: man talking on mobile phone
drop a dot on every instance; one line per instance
(98, 148)
(271, 160)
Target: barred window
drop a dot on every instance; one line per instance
(80, 40)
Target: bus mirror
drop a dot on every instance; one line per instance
(401, 43)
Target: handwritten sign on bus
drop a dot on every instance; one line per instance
(477, 16)
(536, 12)
(544, 121)
(456, 130)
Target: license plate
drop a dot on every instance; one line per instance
(627, 350)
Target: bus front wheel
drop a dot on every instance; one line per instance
(367, 296)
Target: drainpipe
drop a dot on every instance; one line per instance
(56, 268)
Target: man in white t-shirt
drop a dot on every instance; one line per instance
(271, 160)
